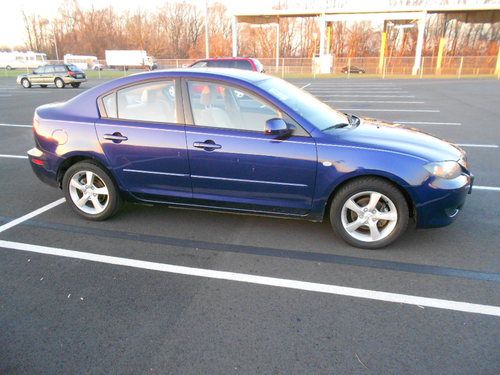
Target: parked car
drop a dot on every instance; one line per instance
(59, 75)
(275, 151)
(354, 69)
(245, 63)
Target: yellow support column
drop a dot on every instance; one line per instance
(382, 52)
(497, 68)
(442, 45)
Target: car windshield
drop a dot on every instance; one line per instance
(318, 113)
(74, 68)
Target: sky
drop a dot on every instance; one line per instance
(12, 31)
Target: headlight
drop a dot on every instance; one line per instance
(444, 169)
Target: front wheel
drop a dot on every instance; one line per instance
(369, 213)
(90, 191)
(26, 83)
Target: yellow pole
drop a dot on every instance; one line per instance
(382, 52)
(497, 68)
(442, 45)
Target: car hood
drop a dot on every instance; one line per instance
(397, 138)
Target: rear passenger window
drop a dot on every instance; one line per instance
(152, 101)
(244, 64)
(49, 69)
(109, 102)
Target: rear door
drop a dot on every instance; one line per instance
(234, 163)
(142, 133)
(49, 74)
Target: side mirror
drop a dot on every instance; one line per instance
(276, 126)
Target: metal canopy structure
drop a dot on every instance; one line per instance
(418, 14)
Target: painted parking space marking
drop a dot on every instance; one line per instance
(13, 156)
(491, 188)
(306, 85)
(17, 125)
(319, 92)
(428, 123)
(365, 96)
(259, 280)
(375, 101)
(32, 214)
(476, 145)
(389, 110)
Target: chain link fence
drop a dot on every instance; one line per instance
(449, 67)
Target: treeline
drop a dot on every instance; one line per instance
(176, 30)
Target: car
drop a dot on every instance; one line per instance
(244, 63)
(58, 75)
(353, 69)
(184, 138)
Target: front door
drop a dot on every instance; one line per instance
(234, 163)
(143, 137)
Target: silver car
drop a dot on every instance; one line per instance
(59, 75)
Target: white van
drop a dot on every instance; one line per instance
(22, 60)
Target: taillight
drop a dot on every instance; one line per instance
(38, 161)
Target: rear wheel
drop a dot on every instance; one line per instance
(369, 213)
(26, 83)
(90, 191)
(59, 83)
(75, 85)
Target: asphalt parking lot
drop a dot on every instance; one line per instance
(162, 290)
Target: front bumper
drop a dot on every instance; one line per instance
(445, 200)
(43, 167)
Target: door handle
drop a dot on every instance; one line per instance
(115, 137)
(208, 145)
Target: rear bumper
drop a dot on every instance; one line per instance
(446, 202)
(43, 167)
(70, 80)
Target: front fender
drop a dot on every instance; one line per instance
(338, 164)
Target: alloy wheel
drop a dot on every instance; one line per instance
(89, 192)
(369, 216)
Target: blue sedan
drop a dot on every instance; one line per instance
(245, 142)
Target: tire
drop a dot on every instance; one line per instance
(25, 82)
(43, 86)
(75, 85)
(91, 201)
(59, 83)
(8, 67)
(363, 218)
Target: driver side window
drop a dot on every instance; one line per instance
(222, 106)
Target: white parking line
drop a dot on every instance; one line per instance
(476, 145)
(366, 96)
(17, 125)
(318, 92)
(428, 123)
(306, 85)
(388, 110)
(492, 188)
(260, 280)
(13, 156)
(374, 101)
(30, 215)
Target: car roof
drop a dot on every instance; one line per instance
(225, 58)
(243, 75)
